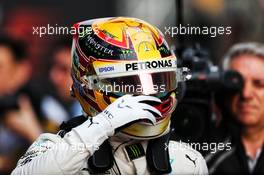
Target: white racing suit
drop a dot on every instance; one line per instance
(68, 153)
(52, 155)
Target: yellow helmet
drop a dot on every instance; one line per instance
(116, 56)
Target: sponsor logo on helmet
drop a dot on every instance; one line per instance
(98, 46)
(148, 65)
(106, 69)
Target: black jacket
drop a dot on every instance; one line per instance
(234, 161)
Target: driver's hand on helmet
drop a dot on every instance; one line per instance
(129, 109)
(123, 112)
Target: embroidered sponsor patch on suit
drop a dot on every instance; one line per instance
(134, 151)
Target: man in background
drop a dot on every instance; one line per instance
(59, 105)
(246, 112)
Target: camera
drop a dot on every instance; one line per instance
(194, 119)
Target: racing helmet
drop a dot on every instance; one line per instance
(115, 56)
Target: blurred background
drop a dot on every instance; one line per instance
(35, 71)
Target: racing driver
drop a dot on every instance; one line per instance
(125, 78)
